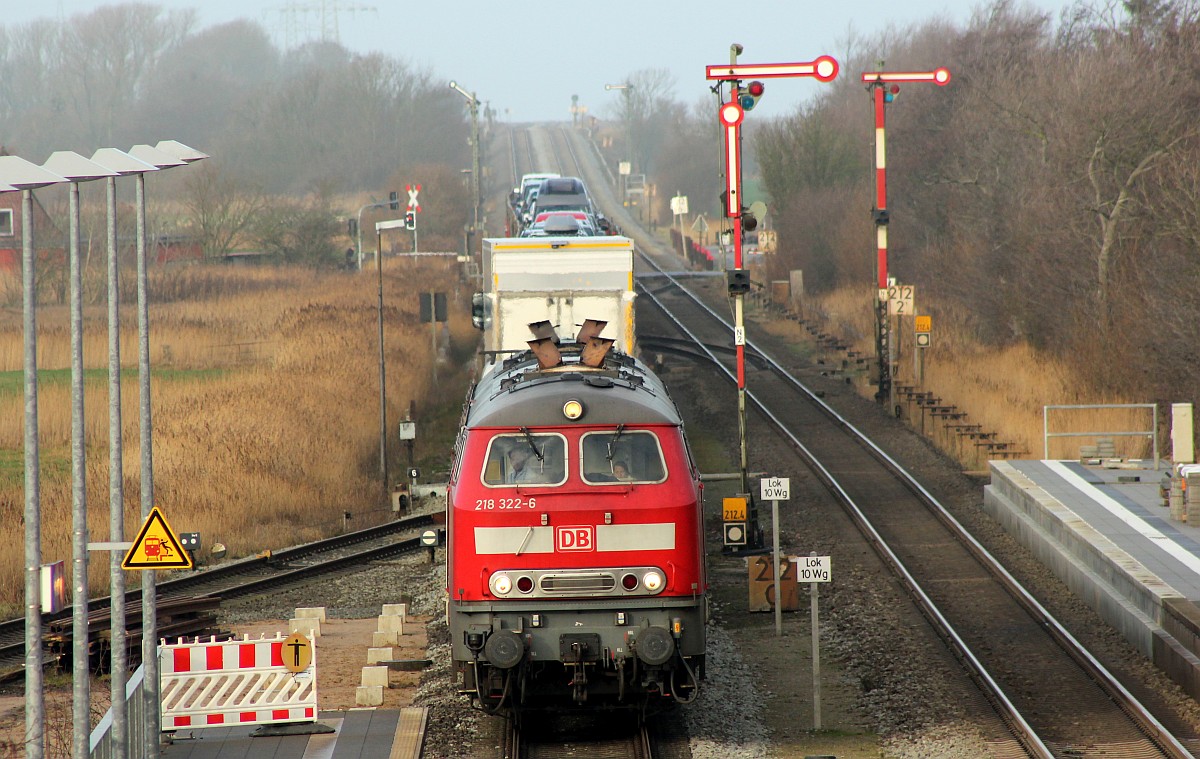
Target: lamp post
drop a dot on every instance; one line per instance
(383, 468)
(141, 159)
(18, 174)
(75, 168)
(175, 150)
(358, 230)
(166, 154)
(476, 177)
(628, 135)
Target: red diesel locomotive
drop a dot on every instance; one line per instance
(576, 572)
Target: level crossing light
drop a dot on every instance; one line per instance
(476, 178)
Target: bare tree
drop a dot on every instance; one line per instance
(223, 211)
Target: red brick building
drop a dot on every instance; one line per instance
(11, 230)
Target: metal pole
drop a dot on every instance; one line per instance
(775, 567)
(358, 229)
(433, 334)
(35, 705)
(149, 579)
(358, 235)
(383, 468)
(883, 338)
(738, 306)
(476, 179)
(813, 594)
(81, 713)
(119, 664)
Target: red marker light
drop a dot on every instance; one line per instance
(756, 89)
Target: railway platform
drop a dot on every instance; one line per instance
(1105, 530)
(357, 734)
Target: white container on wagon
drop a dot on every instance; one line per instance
(562, 280)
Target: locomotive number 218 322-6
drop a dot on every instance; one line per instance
(501, 504)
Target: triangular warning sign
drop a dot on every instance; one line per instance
(156, 546)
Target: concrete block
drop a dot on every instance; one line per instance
(398, 610)
(381, 639)
(368, 695)
(309, 626)
(375, 676)
(390, 623)
(376, 655)
(310, 612)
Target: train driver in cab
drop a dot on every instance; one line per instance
(522, 466)
(526, 467)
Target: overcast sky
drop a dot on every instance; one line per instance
(526, 58)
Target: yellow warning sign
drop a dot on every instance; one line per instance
(923, 324)
(297, 653)
(156, 546)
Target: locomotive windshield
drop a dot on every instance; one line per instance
(525, 459)
(622, 456)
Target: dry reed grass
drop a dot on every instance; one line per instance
(1002, 388)
(265, 406)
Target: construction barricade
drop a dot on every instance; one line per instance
(240, 682)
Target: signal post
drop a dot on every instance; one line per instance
(731, 114)
(884, 87)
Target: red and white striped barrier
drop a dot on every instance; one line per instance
(234, 683)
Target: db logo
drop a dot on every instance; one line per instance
(578, 538)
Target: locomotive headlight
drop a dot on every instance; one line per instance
(652, 581)
(572, 409)
(501, 584)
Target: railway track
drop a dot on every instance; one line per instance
(609, 736)
(1051, 697)
(181, 597)
(1041, 692)
(1047, 694)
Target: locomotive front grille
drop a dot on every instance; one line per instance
(579, 582)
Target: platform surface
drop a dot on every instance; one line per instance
(359, 734)
(1131, 515)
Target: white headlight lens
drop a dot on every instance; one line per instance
(502, 584)
(652, 581)
(572, 409)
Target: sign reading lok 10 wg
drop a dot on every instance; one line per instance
(813, 568)
(775, 488)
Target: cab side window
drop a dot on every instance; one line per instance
(517, 459)
(614, 456)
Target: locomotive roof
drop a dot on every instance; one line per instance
(622, 390)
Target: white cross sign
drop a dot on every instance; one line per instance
(774, 488)
(412, 197)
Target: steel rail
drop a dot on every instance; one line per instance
(12, 643)
(1025, 733)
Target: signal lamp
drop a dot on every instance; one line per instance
(502, 584)
(749, 97)
(572, 409)
(524, 583)
(891, 93)
(629, 582)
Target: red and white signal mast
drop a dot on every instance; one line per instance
(884, 86)
(731, 114)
